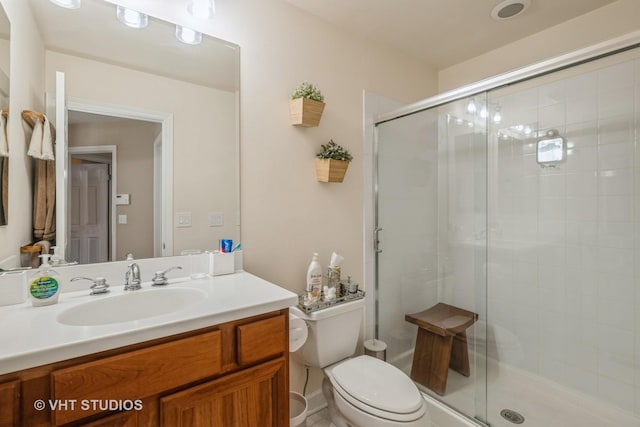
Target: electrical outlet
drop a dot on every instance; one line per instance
(215, 219)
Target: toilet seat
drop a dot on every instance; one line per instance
(377, 388)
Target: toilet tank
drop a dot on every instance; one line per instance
(333, 333)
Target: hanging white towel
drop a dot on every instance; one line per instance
(4, 143)
(35, 145)
(47, 142)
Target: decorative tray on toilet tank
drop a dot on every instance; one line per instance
(321, 303)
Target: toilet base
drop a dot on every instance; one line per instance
(337, 420)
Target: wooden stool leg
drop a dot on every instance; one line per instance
(460, 354)
(431, 360)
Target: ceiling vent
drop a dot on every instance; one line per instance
(509, 9)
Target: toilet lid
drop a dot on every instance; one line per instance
(378, 384)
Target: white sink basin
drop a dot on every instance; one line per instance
(134, 305)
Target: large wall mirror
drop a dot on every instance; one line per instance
(149, 161)
(5, 31)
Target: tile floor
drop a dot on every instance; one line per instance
(319, 419)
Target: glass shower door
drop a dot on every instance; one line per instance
(431, 178)
(562, 264)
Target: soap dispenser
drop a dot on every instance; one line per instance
(43, 284)
(56, 258)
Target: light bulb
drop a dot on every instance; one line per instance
(201, 9)
(131, 18)
(69, 4)
(497, 117)
(187, 35)
(483, 112)
(471, 107)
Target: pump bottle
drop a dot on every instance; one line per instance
(43, 284)
(314, 279)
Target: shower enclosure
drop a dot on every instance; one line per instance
(521, 203)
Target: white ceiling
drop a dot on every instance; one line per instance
(443, 32)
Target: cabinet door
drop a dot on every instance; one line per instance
(254, 397)
(10, 404)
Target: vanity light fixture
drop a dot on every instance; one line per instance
(69, 4)
(131, 18)
(201, 9)
(187, 35)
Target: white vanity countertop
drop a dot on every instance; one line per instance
(32, 336)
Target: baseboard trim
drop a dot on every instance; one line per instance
(315, 402)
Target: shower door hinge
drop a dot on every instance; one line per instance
(376, 241)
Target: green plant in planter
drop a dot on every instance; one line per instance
(331, 150)
(309, 91)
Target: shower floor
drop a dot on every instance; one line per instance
(543, 403)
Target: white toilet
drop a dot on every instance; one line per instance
(362, 391)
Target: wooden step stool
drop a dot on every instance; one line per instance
(441, 344)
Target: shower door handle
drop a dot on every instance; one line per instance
(376, 241)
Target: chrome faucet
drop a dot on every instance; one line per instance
(99, 287)
(160, 279)
(132, 278)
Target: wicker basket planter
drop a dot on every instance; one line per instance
(330, 170)
(305, 112)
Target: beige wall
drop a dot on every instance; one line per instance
(134, 140)
(286, 214)
(591, 28)
(27, 92)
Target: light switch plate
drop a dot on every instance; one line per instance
(122, 199)
(122, 219)
(183, 219)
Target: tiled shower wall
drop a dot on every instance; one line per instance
(563, 299)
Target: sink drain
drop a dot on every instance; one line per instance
(512, 416)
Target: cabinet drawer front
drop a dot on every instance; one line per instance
(136, 374)
(262, 339)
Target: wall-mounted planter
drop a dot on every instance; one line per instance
(305, 112)
(330, 170)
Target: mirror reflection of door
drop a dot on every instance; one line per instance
(130, 160)
(89, 241)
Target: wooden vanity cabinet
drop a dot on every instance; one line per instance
(233, 374)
